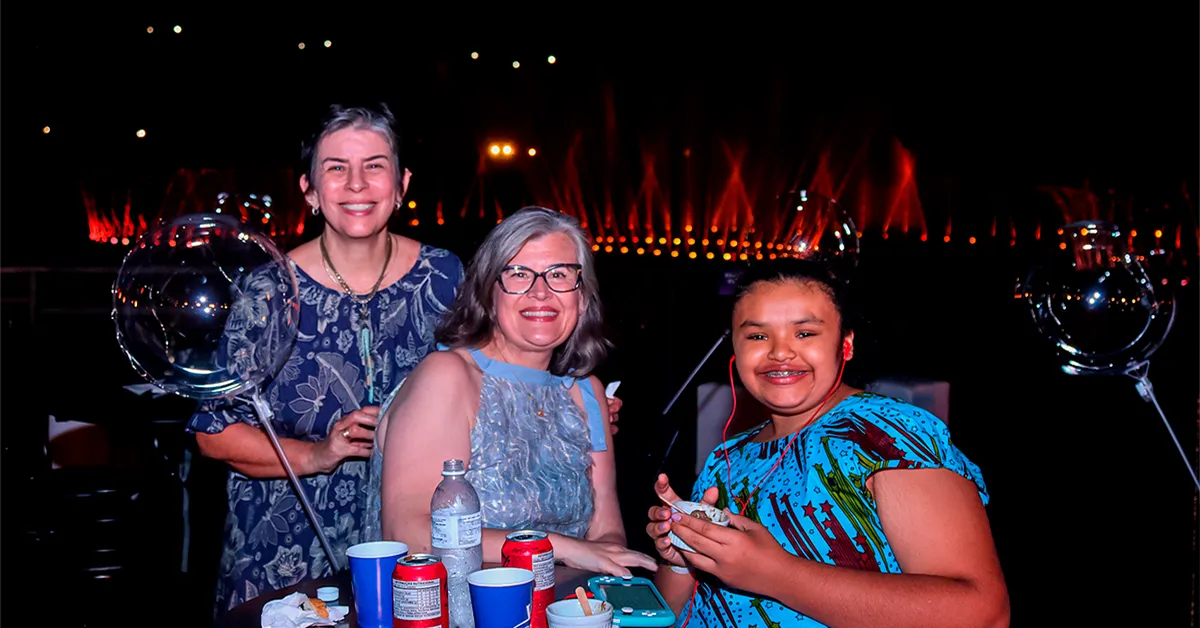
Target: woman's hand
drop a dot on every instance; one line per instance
(661, 519)
(739, 555)
(614, 406)
(351, 437)
(613, 559)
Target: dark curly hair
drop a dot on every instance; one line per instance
(805, 272)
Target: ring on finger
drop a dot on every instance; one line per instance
(346, 433)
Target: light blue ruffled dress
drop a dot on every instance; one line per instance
(531, 469)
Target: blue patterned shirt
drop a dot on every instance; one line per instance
(816, 503)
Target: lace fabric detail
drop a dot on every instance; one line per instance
(531, 471)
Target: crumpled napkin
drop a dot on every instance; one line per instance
(142, 389)
(292, 612)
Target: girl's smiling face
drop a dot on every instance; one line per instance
(789, 344)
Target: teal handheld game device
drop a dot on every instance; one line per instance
(635, 601)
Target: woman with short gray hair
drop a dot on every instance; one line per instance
(370, 301)
(512, 395)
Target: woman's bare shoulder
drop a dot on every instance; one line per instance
(455, 365)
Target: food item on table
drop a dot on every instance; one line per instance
(317, 606)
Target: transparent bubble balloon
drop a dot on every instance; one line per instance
(252, 209)
(205, 306)
(820, 229)
(1096, 303)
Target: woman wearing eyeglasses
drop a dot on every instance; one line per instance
(512, 395)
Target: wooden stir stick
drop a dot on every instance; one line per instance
(664, 500)
(581, 595)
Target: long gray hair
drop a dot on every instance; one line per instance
(472, 319)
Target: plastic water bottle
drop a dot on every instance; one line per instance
(457, 537)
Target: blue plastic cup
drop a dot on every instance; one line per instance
(371, 566)
(501, 597)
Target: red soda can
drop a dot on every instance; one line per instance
(530, 549)
(419, 592)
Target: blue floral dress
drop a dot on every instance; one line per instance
(816, 503)
(269, 543)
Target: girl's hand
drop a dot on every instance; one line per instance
(662, 518)
(741, 555)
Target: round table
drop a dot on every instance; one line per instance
(249, 614)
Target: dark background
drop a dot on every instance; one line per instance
(1092, 510)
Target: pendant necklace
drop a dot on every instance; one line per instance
(364, 314)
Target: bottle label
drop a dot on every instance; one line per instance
(543, 571)
(456, 531)
(417, 599)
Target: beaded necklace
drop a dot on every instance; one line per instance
(364, 313)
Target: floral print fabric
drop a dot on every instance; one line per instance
(269, 543)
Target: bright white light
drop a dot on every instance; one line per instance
(328, 43)
(178, 29)
(141, 132)
(474, 55)
(551, 59)
(508, 150)
(516, 64)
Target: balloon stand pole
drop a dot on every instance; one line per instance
(1140, 373)
(264, 417)
(663, 463)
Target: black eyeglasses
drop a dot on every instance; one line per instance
(559, 278)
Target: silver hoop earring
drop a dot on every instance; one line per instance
(397, 206)
(316, 210)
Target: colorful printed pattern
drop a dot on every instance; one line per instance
(816, 503)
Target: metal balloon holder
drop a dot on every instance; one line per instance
(211, 245)
(265, 415)
(1097, 248)
(1140, 373)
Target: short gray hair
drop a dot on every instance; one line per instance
(471, 321)
(378, 118)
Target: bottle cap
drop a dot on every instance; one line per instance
(453, 467)
(328, 594)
